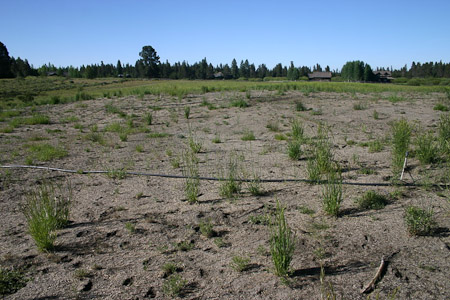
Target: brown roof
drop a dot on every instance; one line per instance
(385, 73)
(324, 75)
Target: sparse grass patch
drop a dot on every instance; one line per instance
(306, 210)
(401, 135)
(192, 182)
(440, 107)
(280, 137)
(371, 200)
(241, 103)
(119, 173)
(273, 126)
(174, 285)
(154, 135)
(239, 263)
(375, 146)
(444, 133)
(206, 228)
(130, 227)
(395, 98)
(299, 106)
(248, 135)
(230, 184)
(216, 140)
(360, 106)
(426, 148)
(46, 210)
(297, 130)
(11, 281)
(332, 193)
(294, 149)
(282, 243)
(419, 221)
(46, 152)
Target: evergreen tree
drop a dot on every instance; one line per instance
(5, 62)
(119, 69)
(150, 61)
(234, 69)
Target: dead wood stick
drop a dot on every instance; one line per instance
(371, 285)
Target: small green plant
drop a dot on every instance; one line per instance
(282, 243)
(239, 263)
(273, 126)
(401, 136)
(174, 285)
(306, 210)
(444, 133)
(297, 130)
(206, 228)
(120, 173)
(248, 136)
(123, 136)
(81, 274)
(259, 219)
(148, 118)
(11, 281)
(396, 98)
(155, 135)
(139, 148)
(426, 148)
(440, 107)
(280, 137)
(254, 186)
(216, 140)
(130, 227)
(419, 221)
(230, 185)
(241, 103)
(371, 200)
(170, 268)
(375, 115)
(192, 181)
(294, 149)
(185, 246)
(359, 106)
(332, 193)
(299, 106)
(46, 210)
(220, 242)
(194, 144)
(46, 152)
(187, 112)
(375, 146)
(314, 174)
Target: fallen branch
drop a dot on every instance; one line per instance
(371, 285)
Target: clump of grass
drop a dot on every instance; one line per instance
(426, 148)
(294, 149)
(206, 228)
(260, 219)
(280, 137)
(230, 185)
(299, 106)
(192, 181)
(419, 221)
(322, 158)
(332, 193)
(371, 200)
(306, 210)
(194, 144)
(359, 106)
(282, 244)
(185, 246)
(46, 210)
(375, 115)
(273, 126)
(148, 118)
(130, 227)
(254, 186)
(11, 281)
(170, 268)
(401, 136)
(216, 140)
(440, 107)
(248, 136)
(239, 263)
(119, 173)
(139, 148)
(174, 285)
(187, 112)
(375, 146)
(297, 130)
(46, 152)
(155, 135)
(241, 103)
(396, 98)
(444, 133)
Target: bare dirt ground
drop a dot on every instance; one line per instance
(98, 257)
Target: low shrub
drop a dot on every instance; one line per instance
(419, 221)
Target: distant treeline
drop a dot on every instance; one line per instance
(149, 66)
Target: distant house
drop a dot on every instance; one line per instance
(218, 75)
(52, 74)
(383, 76)
(319, 76)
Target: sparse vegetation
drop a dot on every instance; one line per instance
(419, 221)
(282, 243)
(47, 209)
(332, 193)
(240, 263)
(173, 286)
(11, 281)
(371, 200)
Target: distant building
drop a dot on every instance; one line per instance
(383, 76)
(319, 76)
(218, 75)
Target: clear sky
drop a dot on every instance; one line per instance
(381, 33)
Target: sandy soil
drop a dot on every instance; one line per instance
(120, 264)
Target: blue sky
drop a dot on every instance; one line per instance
(381, 33)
